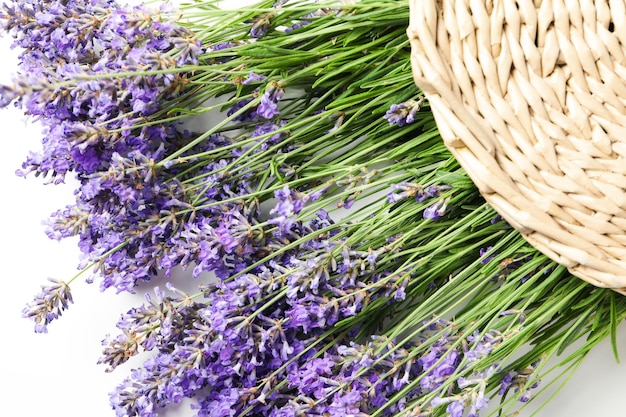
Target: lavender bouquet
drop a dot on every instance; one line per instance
(343, 263)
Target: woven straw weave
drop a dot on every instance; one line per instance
(530, 97)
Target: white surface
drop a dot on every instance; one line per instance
(57, 375)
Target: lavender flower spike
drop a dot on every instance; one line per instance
(48, 305)
(403, 113)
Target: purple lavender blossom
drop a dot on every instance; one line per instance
(260, 25)
(265, 129)
(347, 202)
(252, 78)
(120, 212)
(485, 251)
(268, 107)
(113, 39)
(127, 212)
(419, 192)
(235, 342)
(497, 218)
(482, 345)
(290, 203)
(241, 349)
(519, 313)
(212, 53)
(436, 210)
(470, 398)
(430, 192)
(403, 113)
(479, 403)
(455, 409)
(48, 305)
(439, 363)
(520, 383)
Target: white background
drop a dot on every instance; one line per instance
(57, 375)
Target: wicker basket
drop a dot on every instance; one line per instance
(530, 97)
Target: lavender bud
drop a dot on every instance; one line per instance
(260, 25)
(268, 107)
(403, 113)
(435, 211)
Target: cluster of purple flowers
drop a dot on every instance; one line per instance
(134, 220)
(260, 25)
(251, 332)
(266, 110)
(94, 121)
(278, 334)
(520, 381)
(240, 354)
(420, 193)
(404, 113)
(407, 189)
(132, 217)
(436, 210)
(49, 305)
(268, 107)
(72, 53)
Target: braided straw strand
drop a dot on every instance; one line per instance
(530, 97)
